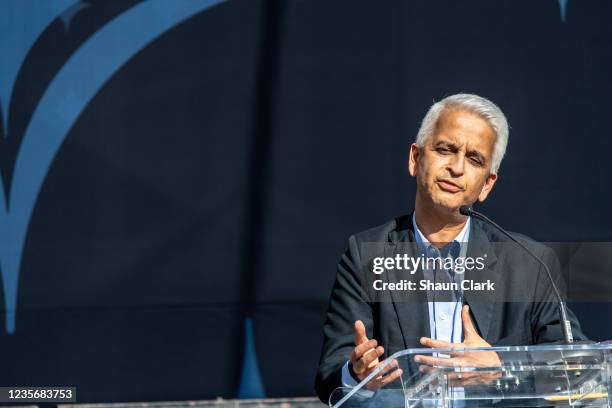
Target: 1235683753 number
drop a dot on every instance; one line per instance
(37, 394)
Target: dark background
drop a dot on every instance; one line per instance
(219, 173)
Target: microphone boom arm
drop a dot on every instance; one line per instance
(566, 326)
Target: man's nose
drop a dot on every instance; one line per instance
(456, 165)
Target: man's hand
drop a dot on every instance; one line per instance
(364, 360)
(481, 359)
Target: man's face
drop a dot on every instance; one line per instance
(454, 166)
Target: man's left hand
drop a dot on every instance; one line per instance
(463, 359)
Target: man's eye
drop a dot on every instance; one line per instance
(442, 150)
(476, 161)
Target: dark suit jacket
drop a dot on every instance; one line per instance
(398, 322)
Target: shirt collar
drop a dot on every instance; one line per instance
(462, 237)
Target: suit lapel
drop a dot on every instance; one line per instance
(411, 307)
(482, 303)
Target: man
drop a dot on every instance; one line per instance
(455, 160)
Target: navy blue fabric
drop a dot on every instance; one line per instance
(132, 278)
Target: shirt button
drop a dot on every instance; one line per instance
(443, 315)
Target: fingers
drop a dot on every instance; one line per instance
(360, 333)
(463, 378)
(391, 366)
(454, 378)
(381, 380)
(439, 362)
(469, 331)
(450, 374)
(361, 349)
(433, 343)
(363, 363)
(441, 344)
(426, 369)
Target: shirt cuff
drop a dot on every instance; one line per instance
(349, 382)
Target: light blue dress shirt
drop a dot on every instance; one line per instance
(444, 317)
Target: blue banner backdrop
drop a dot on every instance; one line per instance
(179, 177)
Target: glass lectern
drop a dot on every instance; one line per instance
(526, 376)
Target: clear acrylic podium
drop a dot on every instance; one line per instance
(528, 376)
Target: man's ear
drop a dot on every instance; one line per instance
(488, 185)
(412, 159)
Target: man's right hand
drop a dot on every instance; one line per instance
(364, 360)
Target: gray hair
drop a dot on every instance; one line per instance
(474, 104)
